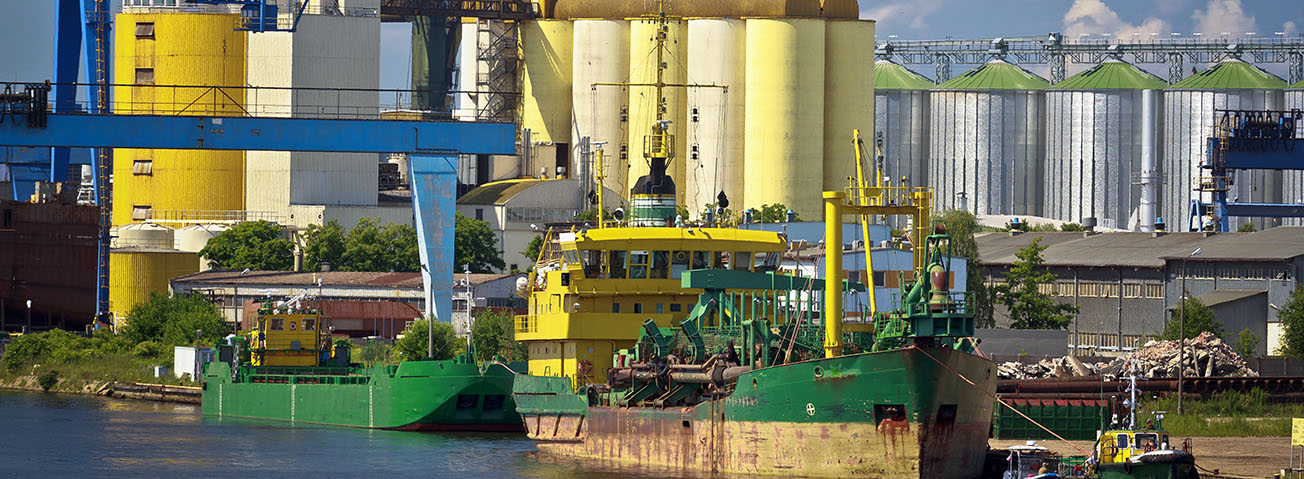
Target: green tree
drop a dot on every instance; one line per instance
(413, 345)
(1027, 306)
(475, 247)
(376, 352)
(1291, 316)
(1246, 227)
(255, 245)
(493, 333)
(173, 320)
(1072, 227)
(1247, 343)
(961, 226)
(773, 213)
(372, 247)
(1199, 318)
(324, 244)
(532, 250)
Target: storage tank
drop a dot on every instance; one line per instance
(785, 114)
(1293, 181)
(601, 54)
(193, 238)
(848, 96)
(136, 272)
(901, 117)
(987, 133)
(147, 235)
(1094, 125)
(714, 163)
(546, 92)
(642, 99)
(200, 49)
(1188, 121)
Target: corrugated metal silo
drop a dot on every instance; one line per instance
(601, 55)
(1188, 120)
(716, 51)
(901, 116)
(785, 114)
(987, 134)
(1292, 190)
(643, 102)
(1094, 124)
(848, 96)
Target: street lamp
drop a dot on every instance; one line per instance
(29, 317)
(1181, 334)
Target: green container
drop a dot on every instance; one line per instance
(1073, 419)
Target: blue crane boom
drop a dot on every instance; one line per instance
(25, 120)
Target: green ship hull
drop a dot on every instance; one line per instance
(824, 417)
(415, 395)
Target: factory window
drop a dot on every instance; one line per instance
(479, 214)
(142, 167)
(145, 30)
(144, 76)
(1154, 291)
(140, 213)
(1133, 290)
(1046, 288)
(8, 221)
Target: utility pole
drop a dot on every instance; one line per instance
(1181, 334)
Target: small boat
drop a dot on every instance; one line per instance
(1139, 451)
(1031, 461)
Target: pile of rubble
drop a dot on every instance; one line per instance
(1206, 355)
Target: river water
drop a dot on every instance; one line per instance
(58, 435)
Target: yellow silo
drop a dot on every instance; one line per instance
(546, 91)
(601, 55)
(848, 96)
(136, 272)
(643, 101)
(177, 49)
(714, 160)
(784, 161)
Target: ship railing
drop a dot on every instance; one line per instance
(195, 217)
(956, 302)
(299, 371)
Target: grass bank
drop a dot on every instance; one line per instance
(1226, 414)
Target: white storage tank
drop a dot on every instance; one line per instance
(1292, 190)
(601, 55)
(1094, 125)
(717, 48)
(142, 235)
(1189, 107)
(194, 237)
(988, 129)
(901, 117)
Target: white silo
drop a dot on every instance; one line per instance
(901, 117)
(601, 55)
(714, 160)
(1292, 188)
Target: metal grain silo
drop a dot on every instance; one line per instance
(1094, 126)
(987, 129)
(1292, 190)
(848, 96)
(901, 117)
(1188, 120)
(642, 99)
(716, 51)
(546, 90)
(601, 55)
(785, 114)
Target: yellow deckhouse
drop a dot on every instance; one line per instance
(591, 294)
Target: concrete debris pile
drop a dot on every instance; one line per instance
(1206, 355)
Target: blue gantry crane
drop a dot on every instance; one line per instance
(62, 122)
(1246, 140)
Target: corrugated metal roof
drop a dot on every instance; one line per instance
(1273, 244)
(996, 75)
(889, 75)
(1297, 86)
(498, 192)
(1221, 296)
(1112, 75)
(1231, 74)
(1118, 249)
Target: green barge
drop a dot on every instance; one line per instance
(285, 370)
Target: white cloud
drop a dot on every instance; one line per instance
(900, 15)
(1223, 16)
(1094, 17)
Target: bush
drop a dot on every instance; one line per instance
(494, 333)
(149, 349)
(413, 345)
(172, 321)
(48, 380)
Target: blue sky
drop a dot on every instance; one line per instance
(27, 28)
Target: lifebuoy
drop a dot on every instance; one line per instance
(584, 367)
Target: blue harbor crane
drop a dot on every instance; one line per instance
(61, 122)
(1246, 140)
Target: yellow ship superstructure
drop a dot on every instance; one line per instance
(286, 335)
(592, 295)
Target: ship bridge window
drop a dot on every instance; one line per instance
(766, 262)
(592, 261)
(571, 256)
(638, 261)
(278, 324)
(660, 265)
(309, 325)
(1122, 441)
(741, 260)
(700, 259)
(678, 263)
(616, 263)
(718, 259)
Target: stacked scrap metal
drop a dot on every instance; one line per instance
(1206, 356)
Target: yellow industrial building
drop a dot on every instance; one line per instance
(797, 78)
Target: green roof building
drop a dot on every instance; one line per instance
(1112, 74)
(1230, 74)
(996, 75)
(901, 118)
(889, 75)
